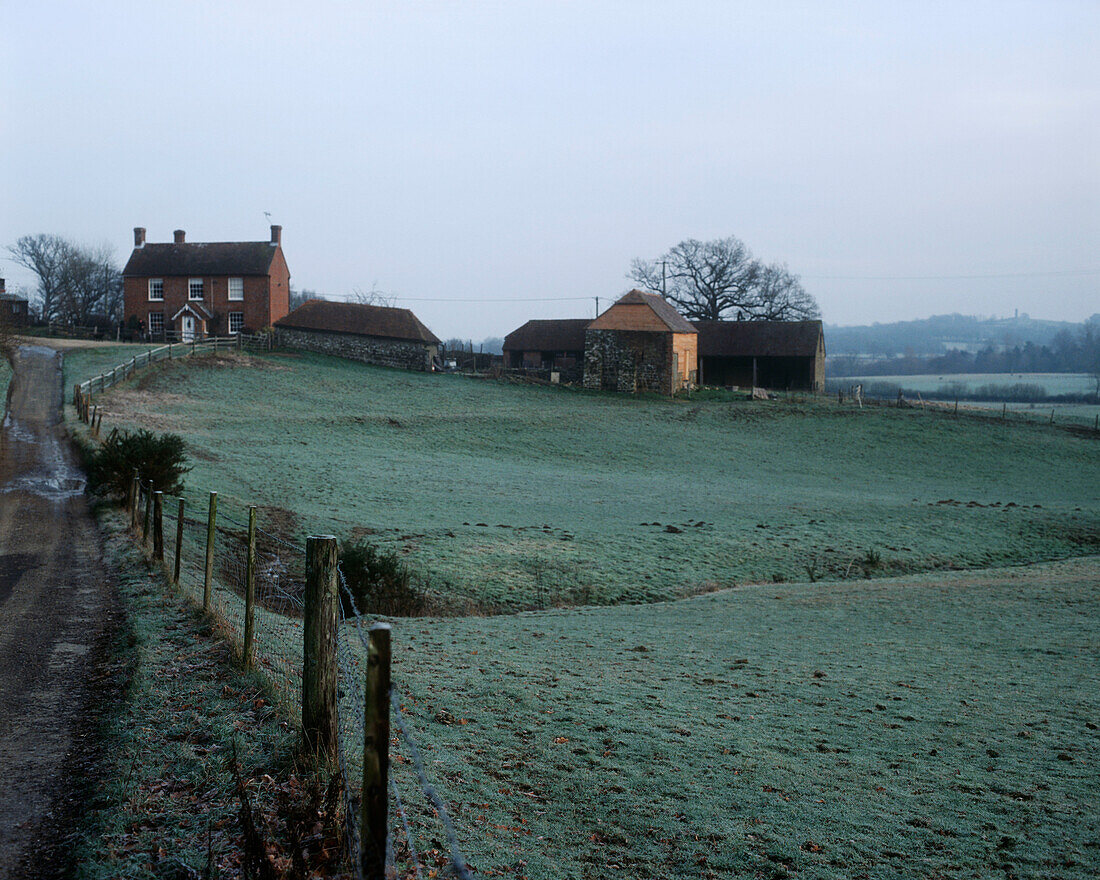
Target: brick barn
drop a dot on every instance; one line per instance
(781, 355)
(548, 345)
(187, 290)
(641, 343)
(378, 335)
(14, 310)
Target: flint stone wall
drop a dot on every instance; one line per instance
(402, 354)
(628, 360)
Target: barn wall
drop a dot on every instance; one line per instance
(405, 355)
(626, 360)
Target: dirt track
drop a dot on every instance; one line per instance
(55, 609)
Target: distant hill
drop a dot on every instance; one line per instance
(940, 334)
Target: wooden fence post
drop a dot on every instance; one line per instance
(179, 543)
(158, 526)
(250, 591)
(1052, 415)
(135, 496)
(319, 672)
(211, 520)
(148, 524)
(95, 415)
(376, 754)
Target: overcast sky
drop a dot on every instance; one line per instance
(904, 158)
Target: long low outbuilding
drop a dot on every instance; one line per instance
(378, 335)
(782, 355)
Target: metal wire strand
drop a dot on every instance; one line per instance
(457, 860)
(405, 824)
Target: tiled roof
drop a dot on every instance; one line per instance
(202, 258)
(758, 338)
(341, 317)
(566, 334)
(666, 314)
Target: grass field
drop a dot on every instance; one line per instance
(520, 496)
(937, 726)
(1052, 383)
(942, 724)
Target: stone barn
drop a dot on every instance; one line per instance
(378, 335)
(781, 355)
(548, 345)
(641, 343)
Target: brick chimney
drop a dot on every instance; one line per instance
(1, 286)
(276, 234)
(139, 236)
(179, 236)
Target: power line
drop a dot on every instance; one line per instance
(1066, 274)
(511, 299)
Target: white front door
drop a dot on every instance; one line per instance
(187, 328)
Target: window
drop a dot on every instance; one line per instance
(194, 288)
(156, 288)
(236, 322)
(236, 288)
(156, 323)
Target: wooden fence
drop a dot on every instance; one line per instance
(172, 350)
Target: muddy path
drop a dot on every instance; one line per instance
(56, 611)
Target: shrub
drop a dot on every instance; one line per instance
(157, 458)
(379, 582)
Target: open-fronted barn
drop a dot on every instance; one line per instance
(373, 334)
(548, 345)
(782, 355)
(641, 343)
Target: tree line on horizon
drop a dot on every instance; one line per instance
(1071, 350)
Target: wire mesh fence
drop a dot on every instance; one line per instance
(221, 536)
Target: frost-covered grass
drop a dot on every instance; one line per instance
(943, 725)
(5, 381)
(520, 496)
(80, 364)
(1052, 383)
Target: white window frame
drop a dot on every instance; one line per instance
(149, 323)
(191, 284)
(240, 325)
(239, 282)
(158, 285)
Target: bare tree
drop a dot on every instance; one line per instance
(76, 284)
(780, 296)
(301, 297)
(46, 256)
(91, 287)
(373, 297)
(720, 279)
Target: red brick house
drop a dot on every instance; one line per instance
(14, 310)
(185, 291)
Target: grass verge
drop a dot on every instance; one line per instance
(192, 729)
